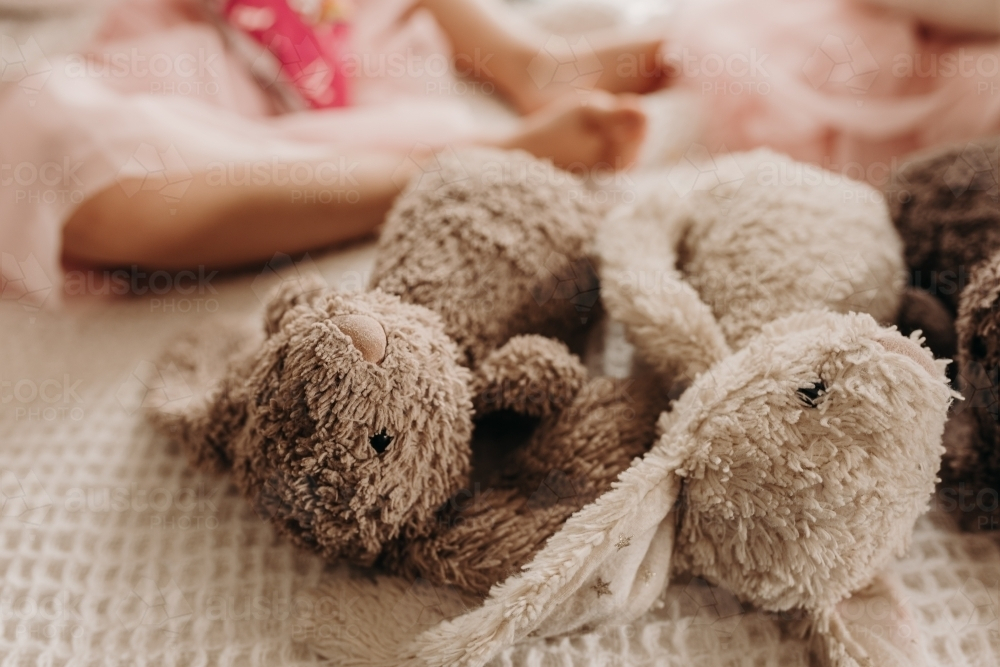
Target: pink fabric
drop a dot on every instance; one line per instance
(843, 85)
(308, 50)
(158, 96)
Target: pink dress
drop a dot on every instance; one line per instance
(158, 96)
(833, 82)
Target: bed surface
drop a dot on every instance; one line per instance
(113, 552)
(111, 549)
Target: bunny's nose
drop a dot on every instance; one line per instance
(365, 333)
(901, 345)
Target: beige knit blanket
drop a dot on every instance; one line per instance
(113, 552)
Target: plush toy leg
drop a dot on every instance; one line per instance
(872, 628)
(672, 328)
(464, 548)
(833, 644)
(532, 375)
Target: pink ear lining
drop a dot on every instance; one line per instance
(365, 333)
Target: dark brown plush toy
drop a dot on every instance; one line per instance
(946, 205)
(348, 420)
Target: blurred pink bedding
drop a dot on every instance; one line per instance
(158, 96)
(834, 82)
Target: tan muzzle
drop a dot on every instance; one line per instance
(365, 333)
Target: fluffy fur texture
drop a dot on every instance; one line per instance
(497, 247)
(978, 326)
(795, 502)
(793, 505)
(946, 204)
(294, 421)
(792, 468)
(705, 270)
(809, 452)
(349, 424)
(571, 459)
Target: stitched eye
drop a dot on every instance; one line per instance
(380, 441)
(810, 395)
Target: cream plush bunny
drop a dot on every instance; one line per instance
(809, 440)
(803, 446)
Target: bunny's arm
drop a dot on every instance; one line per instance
(671, 327)
(530, 374)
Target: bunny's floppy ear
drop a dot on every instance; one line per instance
(672, 328)
(607, 565)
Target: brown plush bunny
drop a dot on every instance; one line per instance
(348, 423)
(946, 204)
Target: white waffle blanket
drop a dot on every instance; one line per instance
(113, 552)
